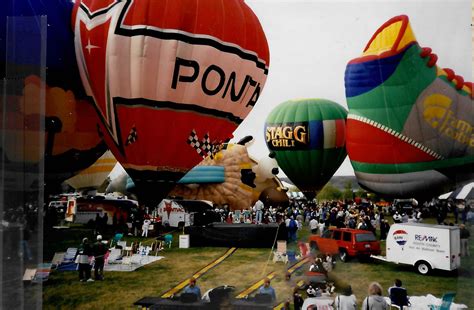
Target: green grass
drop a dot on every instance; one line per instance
(246, 266)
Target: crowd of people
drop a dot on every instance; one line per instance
(312, 296)
(344, 299)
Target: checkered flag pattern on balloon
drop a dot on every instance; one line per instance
(216, 147)
(132, 136)
(193, 140)
(206, 145)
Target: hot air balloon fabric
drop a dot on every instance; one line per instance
(308, 138)
(243, 179)
(410, 122)
(46, 118)
(93, 177)
(171, 80)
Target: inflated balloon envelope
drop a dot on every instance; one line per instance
(308, 139)
(410, 123)
(171, 80)
(46, 118)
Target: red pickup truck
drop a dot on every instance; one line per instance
(347, 242)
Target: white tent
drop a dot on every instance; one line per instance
(463, 193)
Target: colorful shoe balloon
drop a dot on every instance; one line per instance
(410, 123)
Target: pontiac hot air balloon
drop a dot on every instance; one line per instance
(45, 118)
(308, 138)
(410, 123)
(170, 80)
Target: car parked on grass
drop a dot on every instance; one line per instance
(349, 242)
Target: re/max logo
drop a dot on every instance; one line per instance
(426, 238)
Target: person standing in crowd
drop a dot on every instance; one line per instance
(397, 218)
(384, 228)
(82, 258)
(375, 300)
(145, 227)
(321, 227)
(346, 301)
(100, 250)
(258, 206)
(292, 229)
(465, 234)
(192, 288)
(266, 288)
(313, 225)
(313, 292)
(398, 294)
(297, 299)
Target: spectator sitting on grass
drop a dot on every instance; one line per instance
(192, 288)
(267, 289)
(398, 294)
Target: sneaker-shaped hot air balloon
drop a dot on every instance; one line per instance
(410, 123)
(171, 80)
(308, 138)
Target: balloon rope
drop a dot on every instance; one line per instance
(271, 251)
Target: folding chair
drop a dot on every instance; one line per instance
(122, 244)
(58, 258)
(304, 249)
(42, 273)
(168, 240)
(29, 274)
(280, 254)
(291, 257)
(114, 256)
(446, 302)
(70, 255)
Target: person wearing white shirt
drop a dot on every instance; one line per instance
(313, 225)
(145, 227)
(259, 211)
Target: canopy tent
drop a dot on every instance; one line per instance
(465, 192)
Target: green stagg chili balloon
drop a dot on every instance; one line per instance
(308, 139)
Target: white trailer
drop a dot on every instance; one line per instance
(424, 246)
(174, 214)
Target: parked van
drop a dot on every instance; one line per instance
(183, 212)
(424, 246)
(84, 209)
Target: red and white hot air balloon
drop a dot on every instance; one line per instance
(171, 80)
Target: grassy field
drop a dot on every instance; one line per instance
(246, 266)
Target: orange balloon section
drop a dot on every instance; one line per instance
(68, 143)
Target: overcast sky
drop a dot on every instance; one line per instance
(311, 42)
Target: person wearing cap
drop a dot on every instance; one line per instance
(82, 259)
(100, 249)
(266, 288)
